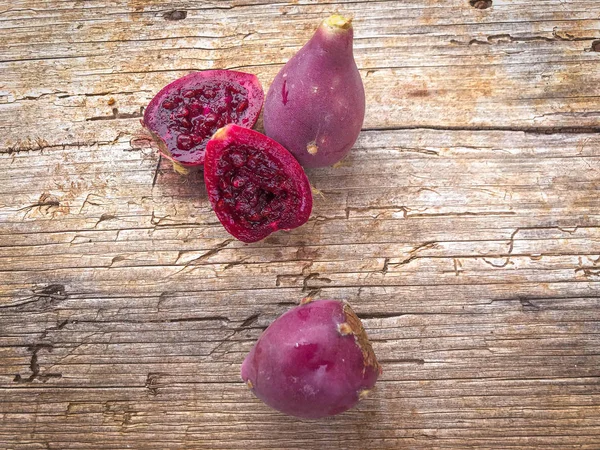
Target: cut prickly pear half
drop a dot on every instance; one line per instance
(184, 115)
(314, 361)
(254, 185)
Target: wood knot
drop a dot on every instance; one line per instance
(175, 15)
(481, 4)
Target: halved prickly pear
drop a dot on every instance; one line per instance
(314, 361)
(315, 107)
(254, 185)
(184, 115)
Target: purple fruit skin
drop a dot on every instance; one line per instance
(304, 367)
(317, 98)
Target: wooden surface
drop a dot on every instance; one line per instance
(464, 228)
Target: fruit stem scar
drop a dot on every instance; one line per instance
(249, 384)
(312, 148)
(360, 335)
(337, 21)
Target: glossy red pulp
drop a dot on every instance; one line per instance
(191, 115)
(253, 189)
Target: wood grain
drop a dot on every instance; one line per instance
(464, 228)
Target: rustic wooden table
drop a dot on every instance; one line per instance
(464, 228)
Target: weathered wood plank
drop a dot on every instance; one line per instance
(463, 228)
(449, 65)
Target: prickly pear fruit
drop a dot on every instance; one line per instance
(254, 185)
(314, 361)
(184, 115)
(316, 105)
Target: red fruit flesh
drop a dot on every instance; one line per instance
(255, 186)
(184, 115)
(314, 361)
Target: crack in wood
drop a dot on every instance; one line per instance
(380, 315)
(417, 361)
(87, 201)
(44, 298)
(588, 272)
(236, 263)
(423, 151)
(58, 327)
(546, 130)
(105, 217)
(34, 366)
(528, 305)
(404, 209)
(499, 266)
(203, 257)
(249, 321)
(116, 115)
(385, 267)
(313, 276)
(153, 381)
(506, 38)
(412, 254)
(156, 170)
